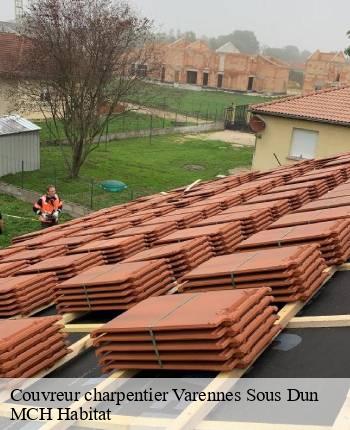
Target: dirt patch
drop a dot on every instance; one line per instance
(194, 167)
(236, 138)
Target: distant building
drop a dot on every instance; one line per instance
(326, 70)
(304, 127)
(11, 50)
(19, 145)
(196, 64)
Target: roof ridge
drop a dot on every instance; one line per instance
(301, 96)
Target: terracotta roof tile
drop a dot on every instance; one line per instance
(330, 106)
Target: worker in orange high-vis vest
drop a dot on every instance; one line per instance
(48, 207)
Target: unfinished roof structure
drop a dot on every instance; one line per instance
(173, 297)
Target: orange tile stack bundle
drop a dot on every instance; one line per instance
(114, 250)
(293, 273)
(151, 233)
(223, 238)
(216, 331)
(29, 346)
(181, 257)
(67, 266)
(21, 295)
(114, 287)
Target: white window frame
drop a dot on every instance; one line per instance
(308, 153)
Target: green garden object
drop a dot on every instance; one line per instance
(113, 186)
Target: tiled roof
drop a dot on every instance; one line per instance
(329, 106)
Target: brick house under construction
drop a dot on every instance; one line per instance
(227, 68)
(326, 70)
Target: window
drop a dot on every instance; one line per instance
(191, 77)
(304, 143)
(220, 80)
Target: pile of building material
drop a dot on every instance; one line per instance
(181, 257)
(226, 200)
(182, 220)
(223, 238)
(73, 242)
(114, 250)
(325, 203)
(315, 188)
(67, 266)
(105, 230)
(151, 233)
(114, 287)
(296, 198)
(332, 236)
(277, 208)
(33, 256)
(293, 273)
(9, 269)
(206, 209)
(332, 178)
(217, 331)
(28, 346)
(251, 221)
(21, 295)
(310, 217)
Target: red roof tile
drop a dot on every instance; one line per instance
(330, 106)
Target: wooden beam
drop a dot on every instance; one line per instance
(81, 328)
(123, 375)
(189, 188)
(344, 267)
(71, 316)
(320, 321)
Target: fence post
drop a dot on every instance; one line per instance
(150, 129)
(22, 175)
(92, 194)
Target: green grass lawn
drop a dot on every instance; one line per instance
(207, 103)
(145, 167)
(17, 226)
(129, 121)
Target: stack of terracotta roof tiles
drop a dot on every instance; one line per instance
(277, 208)
(207, 209)
(72, 242)
(225, 200)
(344, 169)
(223, 238)
(151, 233)
(11, 268)
(333, 178)
(325, 203)
(315, 188)
(28, 346)
(251, 221)
(133, 220)
(67, 266)
(339, 191)
(296, 198)
(181, 257)
(182, 220)
(105, 230)
(39, 241)
(332, 236)
(21, 295)
(311, 217)
(114, 250)
(33, 256)
(115, 286)
(7, 252)
(216, 331)
(293, 272)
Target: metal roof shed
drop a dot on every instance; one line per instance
(19, 145)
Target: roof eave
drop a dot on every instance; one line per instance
(302, 118)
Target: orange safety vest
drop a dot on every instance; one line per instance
(49, 206)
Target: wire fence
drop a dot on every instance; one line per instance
(85, 191)
(133, 123)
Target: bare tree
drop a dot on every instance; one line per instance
(83, 55)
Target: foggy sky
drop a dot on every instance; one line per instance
(308, 24)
